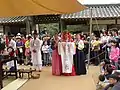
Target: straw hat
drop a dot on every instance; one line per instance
(18, 37)
(18, 34)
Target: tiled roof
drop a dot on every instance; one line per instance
(40, 19)
(98, 11)
(13, 19)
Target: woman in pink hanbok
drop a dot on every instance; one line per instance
(114, 53)
(56, 59)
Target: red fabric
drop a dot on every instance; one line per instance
(67, 35)
(56, 63)
(24, 40)
(27, 52)
(70, 74)
(16, 51)
(73, 71)
(11, 54)
(7, 41)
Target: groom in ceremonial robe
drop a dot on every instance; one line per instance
(35, 48)
(66, 49)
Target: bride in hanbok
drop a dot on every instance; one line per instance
(66, 49)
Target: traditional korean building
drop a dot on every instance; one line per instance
(105, 16)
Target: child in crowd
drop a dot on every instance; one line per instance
(27, 51)
(19, 45)
(45, 49)
(106, 71)
(114, 53)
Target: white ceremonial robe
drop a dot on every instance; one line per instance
(66, 50)
(36, 57)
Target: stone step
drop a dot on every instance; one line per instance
(15, 85)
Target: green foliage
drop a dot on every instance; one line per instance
(50, 28)
(54, 28)
(78, 28)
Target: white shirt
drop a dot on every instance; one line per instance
(104, 39)
(12, 44)
(45, 49)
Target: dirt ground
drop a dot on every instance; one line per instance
(49, 82)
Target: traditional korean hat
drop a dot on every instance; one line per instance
(11, 35)
(35, 32)
(64, 36)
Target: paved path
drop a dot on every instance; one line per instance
(49, 82)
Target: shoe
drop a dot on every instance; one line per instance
(39, 71)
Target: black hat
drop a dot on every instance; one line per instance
(35, 32)
(11, 35)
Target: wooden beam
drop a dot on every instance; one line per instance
(116, 21)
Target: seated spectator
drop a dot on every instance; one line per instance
(101, 83)
(114, 83)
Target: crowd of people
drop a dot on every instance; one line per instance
(68, 53)
(109, 42)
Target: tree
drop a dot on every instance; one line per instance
(51, 28)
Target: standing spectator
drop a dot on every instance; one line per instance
(45, 49)
(20, 45)
(104, 38)
(23, 39)
(12, 45)
(96, 49)
(114, 53)
(27, 50)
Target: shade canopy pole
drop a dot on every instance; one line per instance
(90, 32)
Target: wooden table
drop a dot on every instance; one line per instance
(5, 60)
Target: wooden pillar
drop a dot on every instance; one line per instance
(28, 25)
(116, 21)
(1, 83)
(33, 27)
(3, 29)
(107, 27)
(37, 28)
(62, 26)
